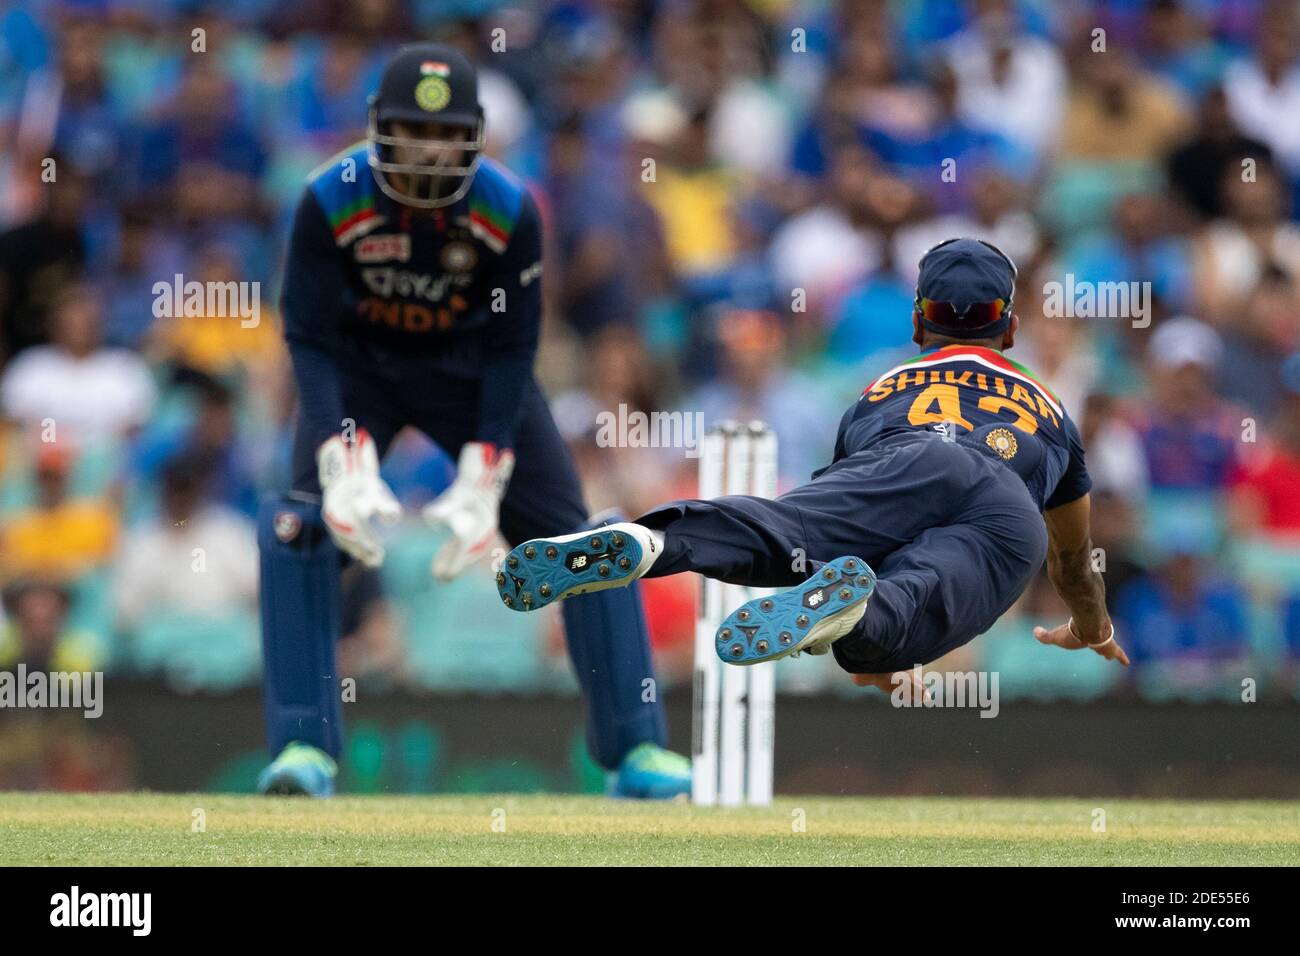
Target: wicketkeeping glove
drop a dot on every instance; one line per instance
(469, 507)
(352, 493)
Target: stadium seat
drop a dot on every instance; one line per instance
(199, 652)
(1027, 669)
(458, 635)
(1078, 197)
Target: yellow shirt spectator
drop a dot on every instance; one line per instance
(218, 344)
(74, 650)
(694, 207)
(61, 542)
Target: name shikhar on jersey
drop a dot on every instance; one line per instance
(1006, 390)
(962, 388)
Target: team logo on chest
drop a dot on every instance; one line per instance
(383, 248)
(458, 257)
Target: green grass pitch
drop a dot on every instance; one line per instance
(199, 829)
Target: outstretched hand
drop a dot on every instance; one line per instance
(1064, 636)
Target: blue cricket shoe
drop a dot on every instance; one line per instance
(300, 770)
(649, 772)
(544, 570)
(808, 617)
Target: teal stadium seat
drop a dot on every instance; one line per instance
(92, 612)
(1077, 197)
(1030, 670)
(195, 652)
(458, 635)
(1262, 561)
(1187, 521)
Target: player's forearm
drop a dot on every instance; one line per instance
(320, 397)
(1082, 589)
(504, 384)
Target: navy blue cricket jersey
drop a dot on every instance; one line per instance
(971, 388)
(452, 293)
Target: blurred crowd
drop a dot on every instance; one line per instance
(736, 193)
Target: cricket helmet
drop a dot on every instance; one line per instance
(433, 86)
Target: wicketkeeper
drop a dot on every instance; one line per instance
(412, 297)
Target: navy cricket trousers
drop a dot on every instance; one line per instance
(953, 536)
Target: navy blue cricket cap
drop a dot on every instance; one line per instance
(959, 282)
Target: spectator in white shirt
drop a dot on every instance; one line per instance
(1253, 240)
(195, 557)
(1264, 92)
(1009, 82)
(86, 390)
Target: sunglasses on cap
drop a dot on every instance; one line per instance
(977, 314)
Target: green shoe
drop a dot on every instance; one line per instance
(649, 772)
(300, 770)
